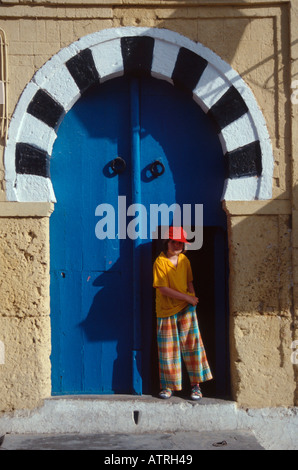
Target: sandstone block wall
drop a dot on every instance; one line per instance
(24, 314)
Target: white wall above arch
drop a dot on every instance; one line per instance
(215, 86)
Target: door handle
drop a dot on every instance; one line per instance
(157, 168)
(118, 165)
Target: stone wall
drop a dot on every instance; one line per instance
(261, 317)
(24, 319)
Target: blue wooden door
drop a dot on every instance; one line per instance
(101, 290)
(91, 313)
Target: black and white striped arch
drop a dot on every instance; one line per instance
(214, 85)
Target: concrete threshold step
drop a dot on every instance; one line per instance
(274, 428)
(121, 414)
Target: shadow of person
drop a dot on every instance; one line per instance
(108, 331)
(110, 326)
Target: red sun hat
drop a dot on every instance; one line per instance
(177, 234)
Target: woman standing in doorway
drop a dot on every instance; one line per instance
(177, 325)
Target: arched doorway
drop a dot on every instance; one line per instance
(215, 87)
(102, 308)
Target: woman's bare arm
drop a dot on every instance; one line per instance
(174, 294)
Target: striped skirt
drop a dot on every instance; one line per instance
(176, 335)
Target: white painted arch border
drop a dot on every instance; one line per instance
(56, 80)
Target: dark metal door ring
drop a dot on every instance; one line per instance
(118, 165)
(157, 168)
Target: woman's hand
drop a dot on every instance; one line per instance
(193, 300)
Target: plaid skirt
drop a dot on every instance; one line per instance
(176, 335)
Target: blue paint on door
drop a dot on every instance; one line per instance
(102, 342)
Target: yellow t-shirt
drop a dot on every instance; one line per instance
(165, 274)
